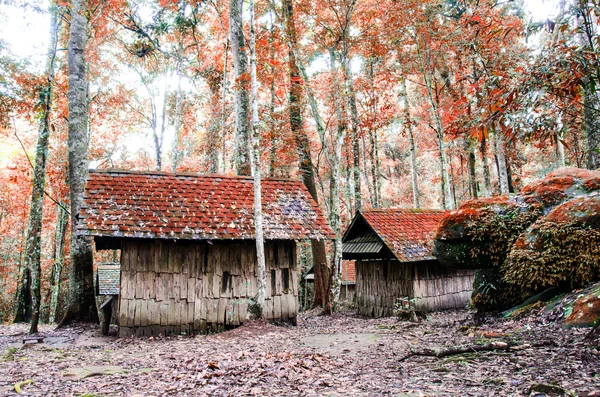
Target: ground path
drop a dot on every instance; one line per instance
(343, 355)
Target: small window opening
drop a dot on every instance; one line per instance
(226, 282)
(273, 282)
(285, 280)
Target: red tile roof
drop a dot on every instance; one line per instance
(408, 233)
(189, 206)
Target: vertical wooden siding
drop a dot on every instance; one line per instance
(175, 287)
(380, 283)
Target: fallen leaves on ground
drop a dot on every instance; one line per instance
(341, 355)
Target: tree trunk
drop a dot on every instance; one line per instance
(296, 95)
(336, 172)
(82, 302)
(487, 182)
(176, 153)
(254, 154)
(408, 125)
(34, 229)
(471, 169)
(240, 65)
(58, 260)
(445, 188)
(212, 142)
(223, 165)
(354, 122)
(501, 156)
(272, 133)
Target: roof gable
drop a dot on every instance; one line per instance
(196, 207)
(407, 233)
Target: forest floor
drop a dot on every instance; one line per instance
(342, 355)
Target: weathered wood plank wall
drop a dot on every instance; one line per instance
(380, 283)
(175, 287)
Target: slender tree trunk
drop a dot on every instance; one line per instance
(82, 302)
(487, 181)
(58, 260)
(560, 150)
(272, 132)
(223, 105)
(254, 154)
(408, 125)
(296, 97)
(213, 139)
(471, 174)
(240, 65)
(336, 173)
(34, 229)
(375, 166)
(354, 122)
(163, 124)
(439, 129)
(176, 151)
(502, 170)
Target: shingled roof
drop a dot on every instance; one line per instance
(406, 233)
(195, 207)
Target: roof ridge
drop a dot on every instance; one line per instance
(185, 174)
(413, 210)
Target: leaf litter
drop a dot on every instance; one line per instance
(339, 355)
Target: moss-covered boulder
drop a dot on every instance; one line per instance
(479, 234)
(544, 236)
(561, 249)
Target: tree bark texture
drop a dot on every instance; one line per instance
(254, 153)
(502, 170)
(487, 182)
(296, 98)
(58, 260)
(82, 302)
(471, 173)
(176, 154)
(408, 125)
(242, 80)
(214, 81)
(335, 160)
(34, 229)
(439, 129)
(350, 95)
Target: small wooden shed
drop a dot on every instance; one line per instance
(188, 254)
(394, 261)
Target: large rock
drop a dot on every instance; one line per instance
(547, 235)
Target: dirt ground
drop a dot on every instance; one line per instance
(342, 355)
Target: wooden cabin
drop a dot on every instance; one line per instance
(394, 262)
(188, 254)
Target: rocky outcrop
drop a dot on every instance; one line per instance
(547, 235)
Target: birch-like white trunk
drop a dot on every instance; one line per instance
(502, 170)
(240, 65)
(335, 161)
(176, 153)
(82, 301)
(487, 180)
(254, 151)
(354, 123)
